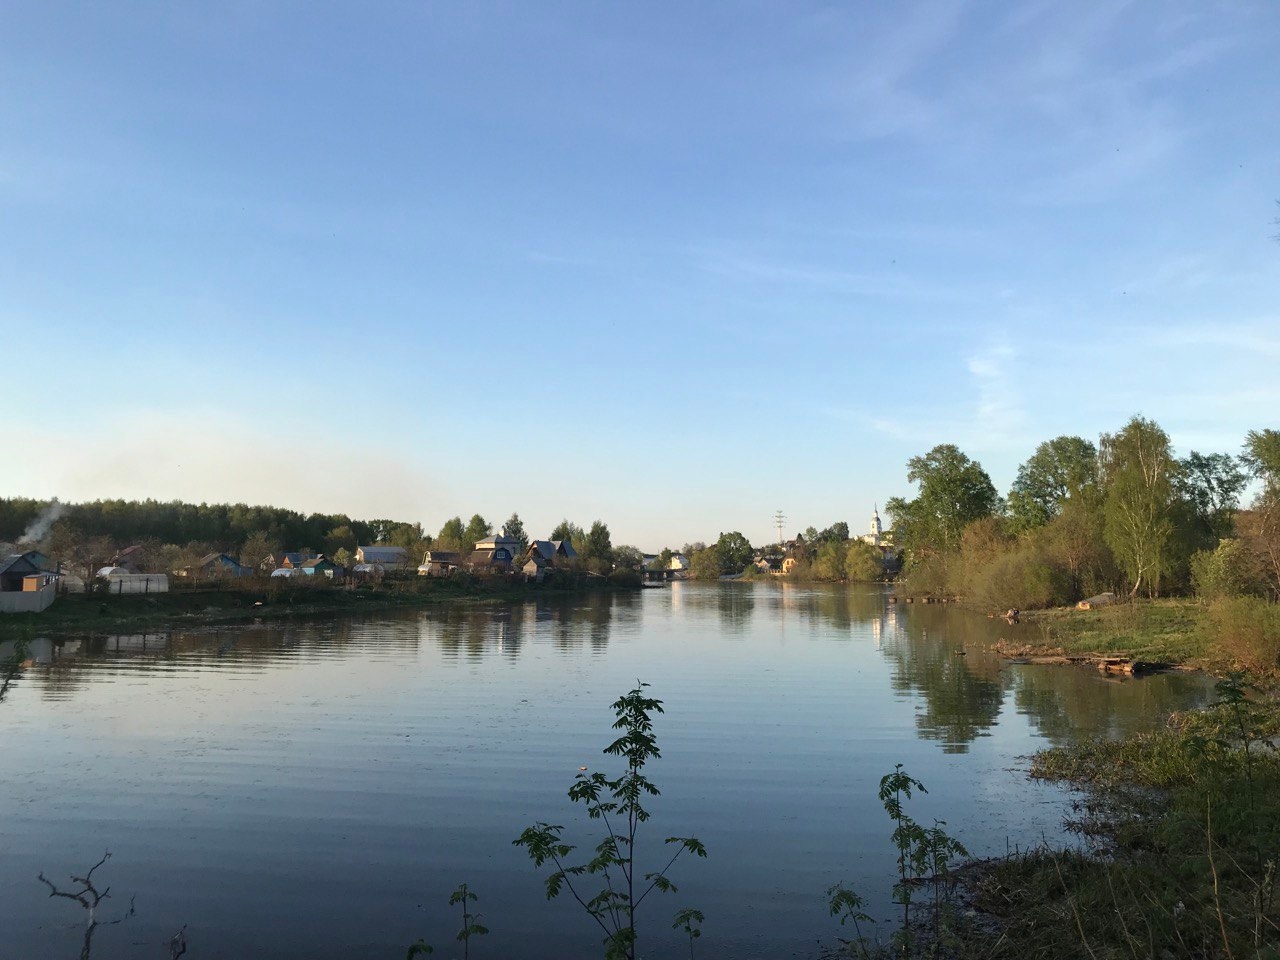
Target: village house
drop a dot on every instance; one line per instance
(320, 566)
(541, 557)
(564, 549)
(553, 550)
(215, 567)
(535, 565)
(493, 554)
(768, 563)
(388, 558)
(439, 563)
(133, 559)
(24, 586)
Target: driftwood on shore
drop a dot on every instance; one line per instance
(1106, 663)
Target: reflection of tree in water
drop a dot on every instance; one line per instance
(62, 667)
(963, 694)
(828, 607)
(12, 659)
(1068, 703)
(571, 622)
(962, 700)
(736, 604)
(475, 632)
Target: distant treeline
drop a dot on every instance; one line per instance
(85, 536)
(222, 525)
(1125, 515)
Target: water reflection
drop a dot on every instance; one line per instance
(940, 656)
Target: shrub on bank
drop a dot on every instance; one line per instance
(930, 576)
(1231, 570)
(1025, 580)
(1247, 629)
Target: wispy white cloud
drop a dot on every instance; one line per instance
(999, 411)
(991, 415)
(1072, 99)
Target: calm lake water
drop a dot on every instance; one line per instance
(317, 789)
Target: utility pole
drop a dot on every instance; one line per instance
(779, 518)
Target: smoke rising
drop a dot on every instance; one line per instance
(39, 527)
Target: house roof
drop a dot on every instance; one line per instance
(17, 563)
(215, 557)
(442, 556)
(565, 547)
(374, 554)
(485, 558)
(537, 559)
(316, 562)
(545, 548)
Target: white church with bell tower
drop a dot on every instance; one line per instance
(878, 537)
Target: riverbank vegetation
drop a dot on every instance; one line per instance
(1181, 840)
(1121, 520)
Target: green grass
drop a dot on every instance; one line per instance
(1164, 631)
(1185, 831)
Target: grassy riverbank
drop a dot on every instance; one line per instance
(1162, 631)
(1182, 831)
(78, 614)
(1239, 633)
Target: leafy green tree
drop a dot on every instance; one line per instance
(1262, 456)
(452, 536)
(568, 531)
(810, 534)
(1060, 468)
(339, 538)
(619, 804)
(628, 558)
(1076, 537)
(862, 562)
(597, 545)
(1261, 530)
(1138, 470)
(664, 560)
(409, 536)
(514, 529)
(257, 547)
(735, 552)
(705, 564)
(954, 491)
(1211, 485)
(828, 562)
(837, 532)
(477, 529)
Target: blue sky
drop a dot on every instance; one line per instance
(675, 266)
